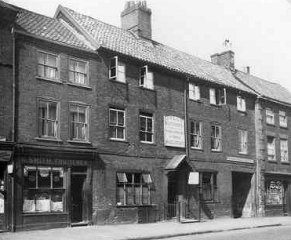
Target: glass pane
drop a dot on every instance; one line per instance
(72, 76)
(120, 132)
(212, 131)
(130, 195)
(149, 137)
(81, 67)
(42, 109)
(58, 177)
(145, 195)
(72, 65)
(112, 117)
(52, 111)
(82, 115)
(112, 132)
(73, 130)
(29, 177)
(121, 118)
(41, 58)
(120, 195)
(142, 123)
(149, 125)
(41, 70)
(51, 60)
(44, 178)
(137, 191)
(51, 126)
(142, 136)
(42, 203)
(28, 201)
(113, 72)
(57, 201)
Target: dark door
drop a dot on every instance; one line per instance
(77, 197)
(3, 197)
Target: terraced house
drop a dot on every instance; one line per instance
(106, 125)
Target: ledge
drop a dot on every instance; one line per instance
(116, 81)
(57, 81)
(79, 142)
(147, 89)
(49, 139)
(78, 85)
(118, 140)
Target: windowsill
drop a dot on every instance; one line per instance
(79, 142)
(272, 161)
(116, 81)
(134, 206)
(148, 143)
(42, 213)
(78, 85)
(194, 100)
(284, 127)
(118, 140)
(285, 163)
(241, 111)
(270, 124)
(197, 149)
(209, 201)
(57, 81)
(216, 105)
(148, 89)
(216, 151)
(48, 139)
(243, 153)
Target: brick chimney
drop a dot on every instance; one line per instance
(136, 17)
(224, 59)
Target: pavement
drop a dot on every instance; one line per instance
(159, 230)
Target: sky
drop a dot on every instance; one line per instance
(259, 30)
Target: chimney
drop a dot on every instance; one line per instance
(136, 17)
(224, 59)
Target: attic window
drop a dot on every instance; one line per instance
(117, 70)
(217, 96)
(146, 78)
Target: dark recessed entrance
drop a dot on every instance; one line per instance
(2, 197)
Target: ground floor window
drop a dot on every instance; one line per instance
(209, 186)
(43, 189)
(133, 188)
(274, 192)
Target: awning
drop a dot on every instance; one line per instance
(175, 162)
(5, 156)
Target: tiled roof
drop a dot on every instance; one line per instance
(47, 28)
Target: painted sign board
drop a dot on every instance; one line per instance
(193, 178)
(174, 131)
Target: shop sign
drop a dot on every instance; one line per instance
(174, 131)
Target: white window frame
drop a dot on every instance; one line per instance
(217, 96)
(243, 141)
(271, 148)
(47, 119)
(196, 135)
(217, 138)
(116, 126)
(194, 92)
(284, 150)
(120, 70)
(283, 119)
(85, 124)
(46, 67)
(76, 73)
(147, 116)
(270, 116)
(146, 80)
(241, 103)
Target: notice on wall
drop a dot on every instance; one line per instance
(275, 192)
(174, 131)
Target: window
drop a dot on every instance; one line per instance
(78, 72)
(48, 115)
(216, 141)
(116, 124)
(217, 96)
(241, 104)
(146, 130)
(282, 119)
(43, 189)
(284, 150)
(196, 134)
(146, 78)
(270, 117)
(209, 186)
(271, 148)
(79, 115)
(47, 65)
(243, 141)
(133, 188)
(194, 92)
(274, 192)
(117, 70)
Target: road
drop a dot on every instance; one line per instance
(268, 233)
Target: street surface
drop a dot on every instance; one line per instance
(268, 233)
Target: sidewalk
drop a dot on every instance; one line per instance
(147, 231)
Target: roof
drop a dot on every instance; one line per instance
(175, 162)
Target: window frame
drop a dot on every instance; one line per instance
(146, 116)
(86, 73)
(194, 92)
(270, 113)
(144, 79)
(219, 138)
(45, 65)
(284, 123)
(198, 135)
(117, 66)
(241, 103)
(271, 157)
(116, 126)
(216, 95)
(243, 137)
(213, 186)
(286, 150)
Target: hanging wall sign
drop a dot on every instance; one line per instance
(174, 131)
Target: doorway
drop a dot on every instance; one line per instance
(3, 197)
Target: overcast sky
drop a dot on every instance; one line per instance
(259, 30)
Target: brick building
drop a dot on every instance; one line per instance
(99, 118)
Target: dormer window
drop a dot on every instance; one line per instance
(146, 78)
(117, 70)
(217, 96)
(241, 104)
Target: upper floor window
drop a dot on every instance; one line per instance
(217, 96)
(47, 65)
(271, 148)
(48, 119)
(146, 79)
(116, 124)
(78, 72)
(196, 134)
(241, 104)
(284, 150)
(209, 186)
(79, 122)
(270, 116)
(282, 119)
(243, 141)
(194, 91)
(216, 141)
(117, 70)
(146, 130)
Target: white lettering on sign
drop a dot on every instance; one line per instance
(174, 131)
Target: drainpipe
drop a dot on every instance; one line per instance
(186, 121)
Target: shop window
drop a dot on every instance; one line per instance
(194, 92)
(146, 79)
(270, 116)
(241, 104)
(79, 120)
(43, 189)
(48, 65)
(282, 119)
(117, 70)
(217, 96)
(48, 113)
(146, 130)
(78, 72)
(116, 124)
(274, 192)
(243, 141)
(196, 134)
(216, 141)
(284, 150)
(271, 148)
(209, 186)
(133, 188)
